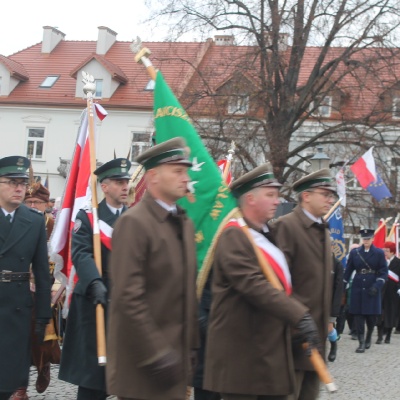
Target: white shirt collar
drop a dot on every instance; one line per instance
(114, 210)
(6, 213)
(312, 217)
(169, 208)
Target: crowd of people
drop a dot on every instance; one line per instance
(244, 339)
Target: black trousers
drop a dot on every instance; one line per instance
(360, 321)
(90, 394)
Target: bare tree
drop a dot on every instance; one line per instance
(293, 60)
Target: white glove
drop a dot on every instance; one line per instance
(398, 292)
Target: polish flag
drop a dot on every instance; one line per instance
(77, 195)
(380, 236)
(364, 169)
(222, 165)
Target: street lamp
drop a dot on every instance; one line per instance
(319, 160)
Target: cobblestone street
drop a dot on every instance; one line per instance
(370, 376)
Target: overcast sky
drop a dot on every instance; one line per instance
(22, 22)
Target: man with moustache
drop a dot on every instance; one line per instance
(22, 247)
(79, 362)
(304, 238)
(152, 326)
(248, 351)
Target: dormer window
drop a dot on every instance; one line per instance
(99, 88)
(49, 81)
(324, 108)
(396, 108)
(150, 85)
(238, 104)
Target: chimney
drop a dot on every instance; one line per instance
(51, 38)
(105, 40)
(224, 40)
(283, 40)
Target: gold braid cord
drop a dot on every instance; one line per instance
(209, 258)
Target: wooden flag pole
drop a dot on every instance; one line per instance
(89, 88)
(382, 225)
(332, 210)
(393, 227)
(229, 158)
(315, 357)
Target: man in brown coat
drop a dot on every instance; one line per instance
(248, 352)
(152, 325)
(304, 239)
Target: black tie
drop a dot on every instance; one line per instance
(8, 218)
(117, 213)
(7, 224)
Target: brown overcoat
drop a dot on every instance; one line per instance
(307, 248)
(153, 306)
(248, 343)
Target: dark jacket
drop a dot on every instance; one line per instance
(361, 301)
(79, 363)
(390, 298)
(24, 247)
(153, 308)
(248, 342)
(338, 287)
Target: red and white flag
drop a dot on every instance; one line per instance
(364, 169)
(222, 165)
(341, 186)
(77, 195)
(380, 237)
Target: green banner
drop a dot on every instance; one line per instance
(210, 200)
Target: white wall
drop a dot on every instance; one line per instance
(61, 129)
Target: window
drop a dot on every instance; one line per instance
(238, 104)
(140, 142)
(35, 145)
(324, 108)
(396, 108)
(99, 88)
(49, 81)
(150, 85)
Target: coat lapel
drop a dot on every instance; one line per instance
(20, 226)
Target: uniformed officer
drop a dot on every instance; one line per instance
(152, 325)
(37, 197)
(304, 238)
(22, 246)
(248, 350)
(371, 274)
(79, 362)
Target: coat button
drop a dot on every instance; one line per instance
(18, 309)
(22, 258)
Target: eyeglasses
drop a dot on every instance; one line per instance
(327, 195)
(14, 184)
(34, 202)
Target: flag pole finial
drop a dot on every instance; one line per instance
(89, 87)
(141, 56)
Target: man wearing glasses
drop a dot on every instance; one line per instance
(304, 238)
(22, 245)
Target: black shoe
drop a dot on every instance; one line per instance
(397, 331)
(368, 340)
(379, 341)
(333, 351)
(387, 340)
(354, 336)
(361, 346)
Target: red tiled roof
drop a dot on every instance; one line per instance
(16, 69)
(113, 69)
(174, 59)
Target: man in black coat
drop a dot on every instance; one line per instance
(79, 363)
(390, 298)
(371, 273)
(23, 246)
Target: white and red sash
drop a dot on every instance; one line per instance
(105, 230)
(393, 276)
(275, 258)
